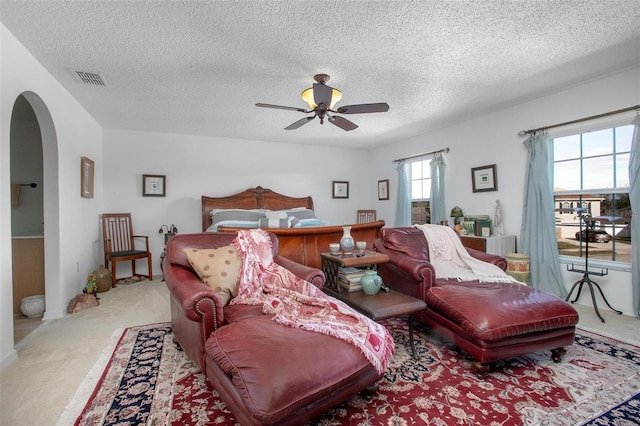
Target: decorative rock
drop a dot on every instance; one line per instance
(82, 302)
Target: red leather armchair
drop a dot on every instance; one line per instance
(490, 321)
(196, 310)
(266, 373)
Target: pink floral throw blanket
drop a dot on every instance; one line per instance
(295, 302)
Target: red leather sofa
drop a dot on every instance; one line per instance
(266, 373)
(489, 321)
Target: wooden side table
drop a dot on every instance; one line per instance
(331, 265)
(385, 304)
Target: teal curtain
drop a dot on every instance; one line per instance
(634, 197)
(538, 233)
(438, 212)
(403, 208)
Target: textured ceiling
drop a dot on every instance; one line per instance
(198, 67)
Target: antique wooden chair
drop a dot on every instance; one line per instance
(119, 246)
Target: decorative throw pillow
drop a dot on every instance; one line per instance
(218, 268)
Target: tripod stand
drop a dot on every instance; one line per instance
(585, 277)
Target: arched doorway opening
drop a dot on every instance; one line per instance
(34, 143)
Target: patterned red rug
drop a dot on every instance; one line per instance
(149, 381)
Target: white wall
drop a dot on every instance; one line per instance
(68, 132)
(196, 166)
(493, 139)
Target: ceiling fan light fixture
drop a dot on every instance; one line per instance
(307, 96)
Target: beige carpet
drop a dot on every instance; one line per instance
(54, 360)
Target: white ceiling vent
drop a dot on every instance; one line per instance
(89, 78)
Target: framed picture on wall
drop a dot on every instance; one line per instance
(484, 178)
(154, 185)
(86, 177)
(383, 189)
(340, 189)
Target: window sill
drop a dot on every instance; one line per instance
(596, 263)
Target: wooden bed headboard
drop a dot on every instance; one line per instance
(252, 198)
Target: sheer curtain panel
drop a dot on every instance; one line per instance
(403, 208)
(538, 234)
(634, 198)
(438, 211)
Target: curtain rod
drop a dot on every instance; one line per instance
(445, 150)
(579, 120)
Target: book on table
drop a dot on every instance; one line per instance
(349, 278)
(350, 287)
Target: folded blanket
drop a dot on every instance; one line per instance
(295, 302)
(451, 260)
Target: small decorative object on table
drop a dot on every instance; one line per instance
(362, 246)
(346, 242)
(456, 214)
(334, 248)
(371, 282)
(498, 229)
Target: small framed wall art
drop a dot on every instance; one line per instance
(484, 179)
(86, 177)
(340, 189)
(383, 189)
(154, 185)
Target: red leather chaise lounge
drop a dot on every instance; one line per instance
(489, 321)
(266, 373)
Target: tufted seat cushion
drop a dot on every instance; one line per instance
(278, 370)
(515, 309)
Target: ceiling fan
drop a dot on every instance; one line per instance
(321, 99)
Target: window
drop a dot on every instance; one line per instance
(591, 193)
(420, 192)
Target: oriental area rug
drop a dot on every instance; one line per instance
(148, 380)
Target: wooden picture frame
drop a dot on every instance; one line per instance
(484, 179)
(86, 177)
(154, 185)
(383, 189)
(340, 189)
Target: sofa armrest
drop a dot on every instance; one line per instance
(418, 269)
(499, 261)
(307, 273)
(199, 303)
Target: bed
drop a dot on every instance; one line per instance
(300, 244)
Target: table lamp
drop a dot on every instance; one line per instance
(456, 214)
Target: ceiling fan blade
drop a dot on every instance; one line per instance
(364, 108)
(281, 107)
(299, 123)
(322, 94)
(343, 123)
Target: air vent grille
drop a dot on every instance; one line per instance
(90, 78)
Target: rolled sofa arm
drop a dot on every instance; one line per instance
(417, 269)
(196, 299)
(307, 273)
(499, 261)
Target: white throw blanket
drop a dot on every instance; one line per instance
(451, 260)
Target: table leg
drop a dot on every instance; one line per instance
(413, 348)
